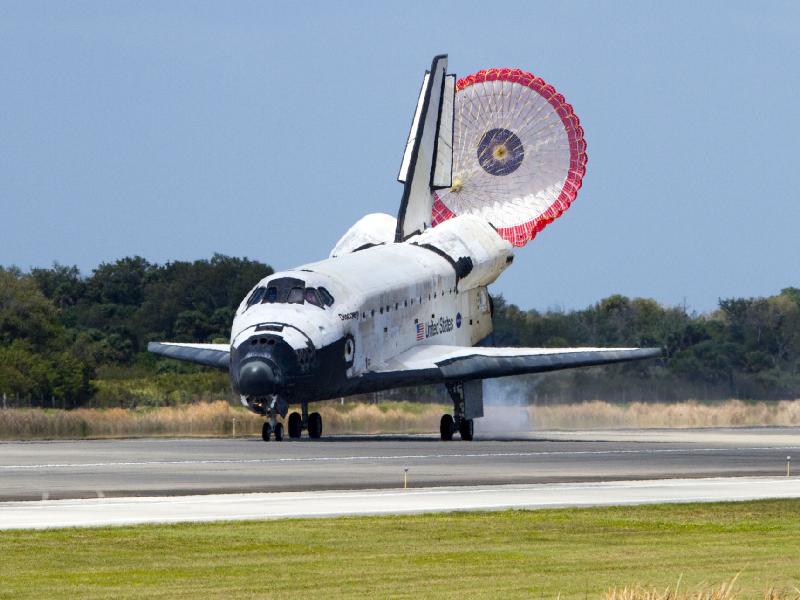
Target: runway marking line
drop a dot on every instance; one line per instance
(377, 493)
(390, 457)
(225, 507)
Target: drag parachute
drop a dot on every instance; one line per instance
(518, 154)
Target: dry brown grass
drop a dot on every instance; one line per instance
(206, 418)
(381, 418)
(724, 591)
(730, 413)
(216, 418)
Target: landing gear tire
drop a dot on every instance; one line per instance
(465, 428)
(315, 426)
(295, 425)
(279, 432)
(266, 431)
(446, 427)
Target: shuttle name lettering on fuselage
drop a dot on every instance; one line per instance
(349, 316)
(436, 327)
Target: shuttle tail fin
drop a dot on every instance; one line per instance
(428, 159)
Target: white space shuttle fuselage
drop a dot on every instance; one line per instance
(387, 298)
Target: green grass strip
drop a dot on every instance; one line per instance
(574, 553)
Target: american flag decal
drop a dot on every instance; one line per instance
(420, 331)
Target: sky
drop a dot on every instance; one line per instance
(176, 130)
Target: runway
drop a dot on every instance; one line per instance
(169, 467)
(227, 507)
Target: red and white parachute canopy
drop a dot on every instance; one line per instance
(518, 154)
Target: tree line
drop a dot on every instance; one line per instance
(748, 348)
(60, 331)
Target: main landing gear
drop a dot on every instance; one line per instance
(295, 425)
(449, 424)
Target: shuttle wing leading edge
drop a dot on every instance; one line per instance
(209, 355)
(436, 364)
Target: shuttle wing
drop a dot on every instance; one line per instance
(209, 355)
(432, 364)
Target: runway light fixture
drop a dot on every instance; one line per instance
(788, 466)
(405, 478)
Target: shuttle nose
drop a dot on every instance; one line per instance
(258, 378)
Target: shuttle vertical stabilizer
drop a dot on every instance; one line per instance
(428, 159)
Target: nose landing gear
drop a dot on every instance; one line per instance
(272, 408)
(267, 430)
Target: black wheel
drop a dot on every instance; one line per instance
(278, 432)
(295, 425)
(465, 428)
(315, 426)
(266, 431)
(446, 427)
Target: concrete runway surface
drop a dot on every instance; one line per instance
(162, 467)
(225, 507)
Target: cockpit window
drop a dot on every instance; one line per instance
(295, 296)
(290, 290)
(256, 296)
(311, 297)
(278, 289)
(327, 299)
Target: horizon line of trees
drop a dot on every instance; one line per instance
(748, 348)
(61, 330)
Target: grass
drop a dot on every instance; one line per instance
(216, 418)
(724, 591)
(728, 413)
(125, 388)
(207, 419)
(190, 419)
(572, 553)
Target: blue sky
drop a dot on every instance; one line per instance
(175, 130)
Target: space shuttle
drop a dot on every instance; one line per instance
(490, 160)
